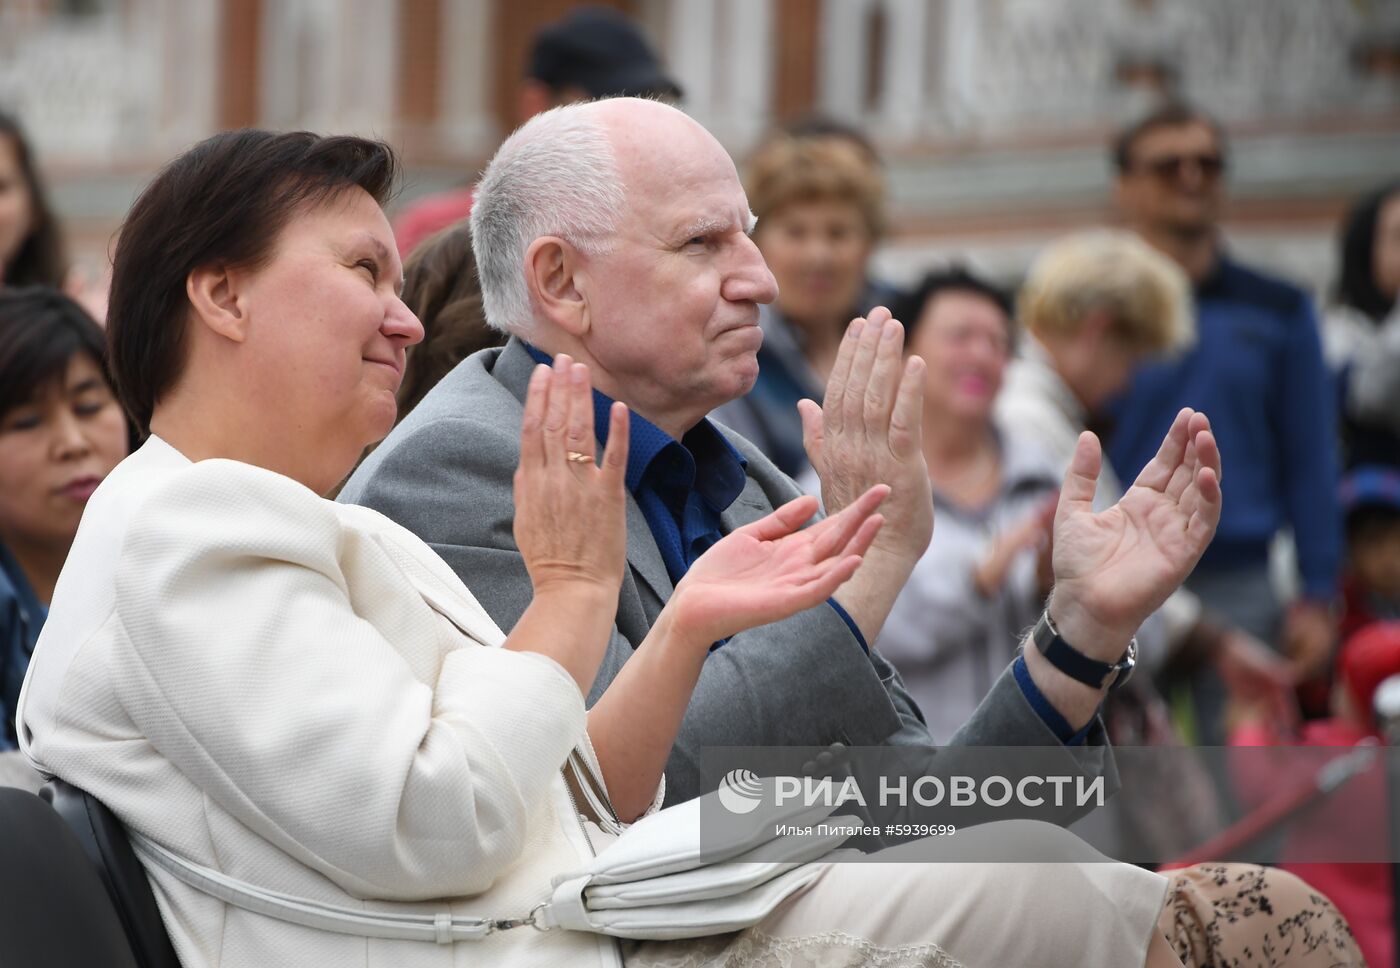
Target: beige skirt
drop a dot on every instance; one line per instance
(926, 905)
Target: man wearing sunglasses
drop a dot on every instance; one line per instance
(1257, 370)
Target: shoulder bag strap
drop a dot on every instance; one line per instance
(440, 927)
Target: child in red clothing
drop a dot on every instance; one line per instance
(1369, 653)
(1362, 892)
(1370, 500)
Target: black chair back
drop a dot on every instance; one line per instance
(54, 909)
(104, 840)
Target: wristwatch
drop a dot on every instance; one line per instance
(1076, 664)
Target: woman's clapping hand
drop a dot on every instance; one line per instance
(770, 569)
(570, 504)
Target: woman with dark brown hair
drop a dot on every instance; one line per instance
(31, 245)
(61, 433)
(309, 699)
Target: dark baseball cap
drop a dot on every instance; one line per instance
(601, 52)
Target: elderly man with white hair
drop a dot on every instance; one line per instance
(617, 233)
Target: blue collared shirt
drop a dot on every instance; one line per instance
(682, 486)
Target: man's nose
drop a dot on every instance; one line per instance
(749, 280)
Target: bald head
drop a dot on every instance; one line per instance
(647, 133)
(618, 232)
(636, 111)
(568, 173)
(658, 147)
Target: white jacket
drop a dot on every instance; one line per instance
(1371, 350)
(301, 695)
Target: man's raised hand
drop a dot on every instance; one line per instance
(868, 431)
(1116, 567)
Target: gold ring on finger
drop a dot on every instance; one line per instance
(579, 458)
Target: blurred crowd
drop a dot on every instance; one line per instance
(1111, 330)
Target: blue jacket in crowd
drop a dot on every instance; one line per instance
(1257, 372)
(21, 617)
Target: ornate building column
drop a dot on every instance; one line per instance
(330, 65)
(179, 69)
(875, 64)
(721, 52)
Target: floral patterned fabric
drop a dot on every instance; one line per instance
(1244, 916)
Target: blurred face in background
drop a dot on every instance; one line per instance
(817, 250)
(55, 448)
(964, 337)
(1386, 252)
(1173, 182)
(1105, 360)
(16, 203)
(1376, 560)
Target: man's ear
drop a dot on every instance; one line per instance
(213, 292)
(551, 272)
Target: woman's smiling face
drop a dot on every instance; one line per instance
(817, 250)
(327, 330)
(964, 337)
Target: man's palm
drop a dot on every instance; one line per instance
(1121, 564)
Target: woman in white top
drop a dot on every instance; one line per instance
(1361, 330)
(301, 696)
(983, 580)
